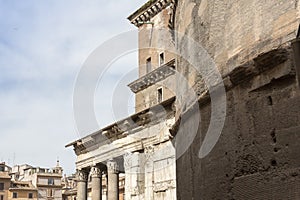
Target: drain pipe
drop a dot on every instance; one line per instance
(296, 50)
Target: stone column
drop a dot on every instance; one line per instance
(149, 175)
(127, 167)
(96, 175)
(113, 180)
(81, 179)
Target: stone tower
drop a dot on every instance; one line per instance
(156, 53)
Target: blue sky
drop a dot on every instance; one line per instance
(43, 45)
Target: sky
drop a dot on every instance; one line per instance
(43, 46)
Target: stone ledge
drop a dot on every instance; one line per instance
(239, 75)
(153, 77)
(258, 65)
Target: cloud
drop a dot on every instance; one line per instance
(43, 44)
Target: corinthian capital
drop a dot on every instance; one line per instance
(95, 172)
(81, 175)
(112, 166)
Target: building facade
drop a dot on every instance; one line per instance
(70, 188)
(171, 148)
(21, 190)
(4, 181)
(36, 182)
(138, 148)
(257, 153)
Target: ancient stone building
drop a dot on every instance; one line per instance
(138, 147)
(26, 182)
(37, 182)
(217, 106)
(257, 154)
(69, 190)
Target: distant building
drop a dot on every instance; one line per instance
(17, 172)
(47, 181)
(27, 182)
(21, 190)
(69, 190)
(4, 181)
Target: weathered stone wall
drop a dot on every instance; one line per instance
(151, 174)
(236, 31)
(149, 97)
(154, 39)
(258, 153)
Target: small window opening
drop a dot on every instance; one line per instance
(148, 65)
(159, 95)
(15, 195)
(161, 59)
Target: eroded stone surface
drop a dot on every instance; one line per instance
(256, 156)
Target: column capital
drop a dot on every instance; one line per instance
(96, 172)
(127, 161)
(112, 166)
(81, 176)
(149, 151)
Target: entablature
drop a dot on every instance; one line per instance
(125, 127)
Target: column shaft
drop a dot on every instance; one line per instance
(81, 185)
(113, 181)
(96, 183)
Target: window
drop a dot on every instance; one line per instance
(159, 95)
(1, 197)
(2, 168)
(30, 196)
(148, 65)
(15, 195)
(50, 181)
(161, 59)
(49, 193)
(1, 186)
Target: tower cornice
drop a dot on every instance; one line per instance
(149, 10)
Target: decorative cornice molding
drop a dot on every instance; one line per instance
(122, 128)
(149, 10)
(153, 77)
